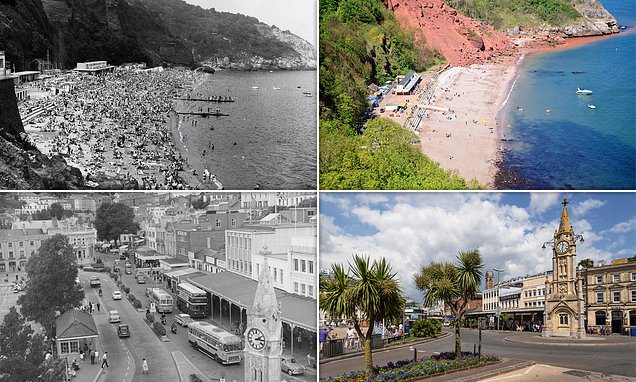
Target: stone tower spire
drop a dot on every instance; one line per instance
(564, 225)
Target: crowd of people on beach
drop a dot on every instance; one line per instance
(117, 124)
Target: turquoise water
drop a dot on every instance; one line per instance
(573, 146)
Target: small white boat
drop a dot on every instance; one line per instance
(275, 88)
(583, 91)
(255, 87)
(591, 106)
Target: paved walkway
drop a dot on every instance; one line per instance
(549, 373)
(507, 365)
(186, 368)
(87, 372)
(590, 340)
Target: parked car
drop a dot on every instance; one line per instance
(128, 271)
(16, 289)
(116, 295)
(148, 292)
(123, 330)
(183, 319)
(122, 256)
(95, 283)
(141, 280)
(113, 316)
(291, 367)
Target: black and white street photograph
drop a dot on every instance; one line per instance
(172, 286)
(158, 95)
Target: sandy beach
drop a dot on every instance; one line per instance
(465, 138)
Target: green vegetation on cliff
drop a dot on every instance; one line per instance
(361, 42)
(505, 14)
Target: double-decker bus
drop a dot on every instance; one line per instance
(192, 300)
(162, 299)
(215, 342)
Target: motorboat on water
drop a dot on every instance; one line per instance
(255, 87)
(276, 88)
(591, 106)
(583, 91)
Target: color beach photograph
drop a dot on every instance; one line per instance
(457, 94)
(158, 94)
(479, 286)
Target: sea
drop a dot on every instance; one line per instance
(268, 139)
(555, 140)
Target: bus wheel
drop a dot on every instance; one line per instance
(196, 345)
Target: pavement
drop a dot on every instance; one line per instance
(547, 373)
(590, 340)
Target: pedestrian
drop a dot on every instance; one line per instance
(104, 360)
(98, 306)
(82, 355)
(144, 367)
(90, 307)
(299, 339)
(96, 356)
(92, 357)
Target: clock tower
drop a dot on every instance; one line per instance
(563, 315)
(264, 332)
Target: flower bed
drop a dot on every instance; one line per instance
(409, 369)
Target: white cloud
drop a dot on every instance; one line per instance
(541, 201)
(412, 235)
(372, 198)
(580, 209)
(624, 227)
(342, 202)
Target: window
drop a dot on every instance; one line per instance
(11, 254)
(599, 297)
(64, 347)
(233, 223)
(616, 278)
(296, 265)
(74, 346)
(303, 266)
(599, 279)
(311, 267)
(600, 317)
(275, 275)
(633, 295)
(295, 287)
(633, 276)
(281, 276)
(310, 289)
(218, 223)
(302, 288)
(21, 244)
(10, 245)
(616, 296)
(632, 318)
(563, 319)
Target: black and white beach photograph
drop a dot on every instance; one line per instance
(173, 286)
(158, 94)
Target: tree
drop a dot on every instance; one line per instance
(23, 352)
(586, 263)
(114, 219)
(454, 284)
(51, 286)
(56, 210)
(369, 289)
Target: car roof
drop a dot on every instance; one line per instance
(113, 312)
(123, 325)
(116, 291)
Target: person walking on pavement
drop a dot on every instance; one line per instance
(98, 306)
(92, 357)
(144, 367)
(104, 360)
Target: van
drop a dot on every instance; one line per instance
(113, 316)
(95, 283)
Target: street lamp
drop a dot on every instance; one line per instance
(498, 311)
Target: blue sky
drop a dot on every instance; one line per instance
(297, 16)
(413, 229)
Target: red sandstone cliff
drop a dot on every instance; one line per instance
(460, 39)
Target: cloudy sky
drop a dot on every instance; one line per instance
(414, 229)
(298, 16)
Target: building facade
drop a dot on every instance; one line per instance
(17, 246)
(610, 293)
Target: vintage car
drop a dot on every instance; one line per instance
(291, 367)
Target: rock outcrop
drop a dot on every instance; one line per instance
(596, 20)
(460, 39)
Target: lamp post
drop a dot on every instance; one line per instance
(498, 310)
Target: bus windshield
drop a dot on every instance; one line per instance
(233, 346)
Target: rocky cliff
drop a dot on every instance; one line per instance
(160, 32)
(460, 39)
(596, 20)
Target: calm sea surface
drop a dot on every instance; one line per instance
(573, 146)
(268, 138)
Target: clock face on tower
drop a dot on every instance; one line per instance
(562, 247)
(256, 339)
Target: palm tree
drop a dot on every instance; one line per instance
(369, 289)
(454, 284)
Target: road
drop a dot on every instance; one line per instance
(607, 358)
(150, 346)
